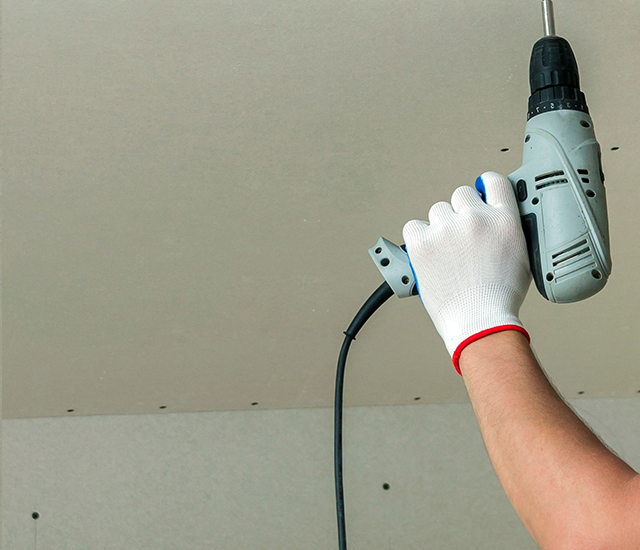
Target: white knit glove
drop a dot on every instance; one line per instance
(470, 262)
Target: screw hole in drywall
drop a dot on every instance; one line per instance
(254, 403)
(386, 486)
(163, 406)
(417, 398)
(504, 149)
(70, 410)
(35, 515)
(615, 148)
(580, 392)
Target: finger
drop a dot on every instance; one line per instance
(497, 190)
(465, 198)
(414, 232)
(440, 212)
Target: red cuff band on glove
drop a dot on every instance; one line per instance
(481, 334)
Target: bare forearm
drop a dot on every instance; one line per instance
(563, 482)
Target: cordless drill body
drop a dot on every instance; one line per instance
(560, 185)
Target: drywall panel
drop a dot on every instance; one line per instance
(190, 190)
(263, 479)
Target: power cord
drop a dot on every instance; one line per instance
(379, 297)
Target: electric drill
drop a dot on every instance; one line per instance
(559, 187)
(561, 198)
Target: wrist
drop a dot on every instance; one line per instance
(495, 348)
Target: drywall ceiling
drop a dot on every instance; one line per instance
(190, 190)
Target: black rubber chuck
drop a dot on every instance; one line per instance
(554, 78)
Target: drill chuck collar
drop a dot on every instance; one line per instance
(554, 79)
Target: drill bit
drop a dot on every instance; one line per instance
(548, 20)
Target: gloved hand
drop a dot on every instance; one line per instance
(470, 263)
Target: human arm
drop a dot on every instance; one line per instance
(472, 270)
(569, 490)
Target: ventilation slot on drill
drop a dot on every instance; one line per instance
(584, 172)
(550, 178)
(583, 242)
(581, 252)
(576, 257)
(552, 182)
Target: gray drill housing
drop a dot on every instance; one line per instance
(559, 187)
(563, 208)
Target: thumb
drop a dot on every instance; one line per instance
(497, 190)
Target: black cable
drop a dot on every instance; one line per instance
(379, 297)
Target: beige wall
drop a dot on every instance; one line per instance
(263, 479)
